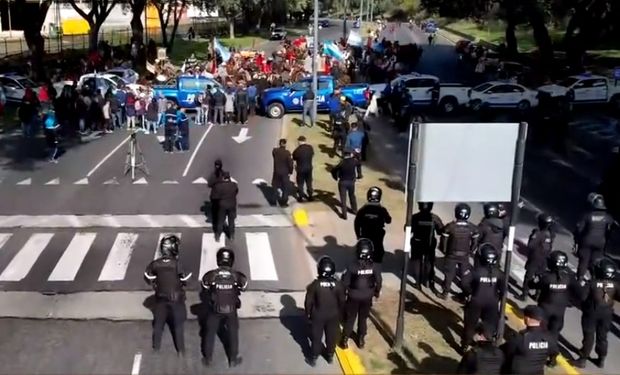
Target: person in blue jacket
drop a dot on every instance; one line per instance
(51, 136)
(334, 107)
(183, 132)
(355, 142)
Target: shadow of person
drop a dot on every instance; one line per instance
(328, 150)
(270, 194)
(393, 184)
(440, 318)
(298, 122)
(341, 255)
(207, 210)
(434, 363)
(329, 199)
(294, 320)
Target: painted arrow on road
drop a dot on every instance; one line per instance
(243, 136)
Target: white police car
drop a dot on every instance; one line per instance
(126, 74)
(15, 86)
(500, 94)
(585, 89)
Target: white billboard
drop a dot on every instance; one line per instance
(466, 162)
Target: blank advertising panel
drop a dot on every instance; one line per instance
(466, 162)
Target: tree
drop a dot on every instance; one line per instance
(165, 10)
(137, 7)
(96, 16)
(231, 9)
(35, 14)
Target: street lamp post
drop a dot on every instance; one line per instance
(10, 23)
(344, 24)
(315, 58)
(361, 12)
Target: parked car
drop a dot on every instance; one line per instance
(128, 75)
(585, 89)
(15, 86)
(324, 23)
(500, 94)
(278, 33)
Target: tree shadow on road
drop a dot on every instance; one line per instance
(293, 319)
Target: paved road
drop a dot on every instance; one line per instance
(555, 183)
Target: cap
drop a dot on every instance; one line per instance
(301, 138)
(534, 312)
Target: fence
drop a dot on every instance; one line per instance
(10, 47)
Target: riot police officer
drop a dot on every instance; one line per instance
(324, 303)
(598, 295)
(556, 288)
(424, 226)
(592, 233)
(484, 357)
(166, 276)
(222, 287)
(539, 247)
(460, 239)
(370, 221)
(484, 288)
(528, 351)
(362, 280)
(492, 229)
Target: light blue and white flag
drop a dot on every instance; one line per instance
(221, 50)
(354, 39)
(331, 49)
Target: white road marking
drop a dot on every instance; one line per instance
(4, 238)
(27, 181)
(191, 159)
(207, 254)
(135, 368)
(105, 158)
(69, 264)
(200, 180)
(162, 235)
(170, 182)
(26, 257)
(55, 181)
(141, 181)
(83, 181)
(260, 257)
(259, 181)
(115, 266)
(112, 181)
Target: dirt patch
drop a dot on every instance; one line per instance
(375, 172)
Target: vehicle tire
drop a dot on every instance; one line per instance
(524, 105)
(448, 105)
(275, 110)
(476, 105)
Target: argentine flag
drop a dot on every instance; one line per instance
(331, 49)
(221, 50)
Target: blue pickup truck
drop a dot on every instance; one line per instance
(276, 102)
(183, 90)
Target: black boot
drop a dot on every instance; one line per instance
(581, 362)
(311, 361)
(235, 361)
(329, 358)
(206, 362)
(344, 342)
(361, 342)
(600, 363)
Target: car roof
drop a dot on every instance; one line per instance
(13, 75)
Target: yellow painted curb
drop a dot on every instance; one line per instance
(300, 217)
(350, 362)
(562, 361)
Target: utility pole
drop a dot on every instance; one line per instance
(344, 24)
(361, 12)
(372, 10)
(315, 59)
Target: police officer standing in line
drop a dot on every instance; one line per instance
(362, 281)
(528, 351)
(598, 295)
(302, 156)
(503, 214)
(424, 226)
(460, 239)
(222, 287)
(225, 193)
(170, 127)
(592, 233)
(282, 169)
(346, 174)
(492, 229)
(214, 178)
(556, 287)
(484, 358)
(370, 221)
(484, 288)
(324, 304)
(539, 247)
(166, 276)
(183, 131)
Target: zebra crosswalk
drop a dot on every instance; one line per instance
(67, 261)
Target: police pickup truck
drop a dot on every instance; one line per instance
(584, 89)
(184, 89)
(276, 102)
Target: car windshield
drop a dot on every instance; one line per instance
(568, 82)
(27, 83)
(116, 79)
(482, 87)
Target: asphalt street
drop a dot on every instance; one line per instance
(554, 183)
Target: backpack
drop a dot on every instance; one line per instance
(225, 295)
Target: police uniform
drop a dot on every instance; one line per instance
(369, 223)
(346, 173)
(214, 179)
(282, 168)
(591, 237)
(598, 312)
(485, 288)
(225, 194)
(170, 128)
(302, 156)
(166, 276)
(324, 304)
(484, 358)
(362, 281)
(539, 247)
(493, 231)
(222, 287)
(183, 131)
(424, 226)
(528, 351)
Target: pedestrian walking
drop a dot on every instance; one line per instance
(425, 225)
(282, 169)
(370, 222)
(225, 193)
(539, 246)
(303, 155)
(592, 233)
(308, 107)
(346, 173)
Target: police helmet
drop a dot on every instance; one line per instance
(545, 221)
(597, 201)
(558, 260)
(491, 210)
(462, 211)
(225, 257)
(169, 246)
(364, 249)
(425, 206)
(605, 269)
(374, 194)
(488, 254)
(326, 267)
